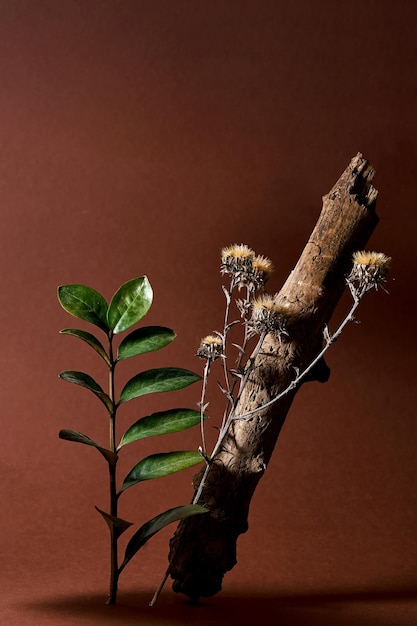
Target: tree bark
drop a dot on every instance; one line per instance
(203, 548)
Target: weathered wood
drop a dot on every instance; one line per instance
(204, 547)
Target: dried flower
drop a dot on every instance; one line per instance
(245, 267)
(237, 261)
(369, 271)
(269, 317)
(262, 269)
(211, 348)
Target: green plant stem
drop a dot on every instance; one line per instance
(114, 573)
(114, 567)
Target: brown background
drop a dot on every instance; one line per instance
(139, 137)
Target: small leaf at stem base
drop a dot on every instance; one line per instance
(150, 528)
(119, 524)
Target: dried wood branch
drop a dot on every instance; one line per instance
(203, 548)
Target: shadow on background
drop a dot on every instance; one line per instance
(336, 608)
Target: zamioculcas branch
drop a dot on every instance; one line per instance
(128, 306)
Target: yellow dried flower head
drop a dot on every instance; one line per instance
(212, 340)
(245, 267)
(269, 317)
(262, 269)
(375, 259)
(237, 251)
(211, 347)
(265, 302)
(369, 271)
(236, 261)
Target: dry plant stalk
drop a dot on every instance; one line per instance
(203, 548)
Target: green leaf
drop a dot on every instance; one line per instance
(73, 435)
(129, 304)
(157, 381)
(86, 381)
(88, 338)
(119, 524)
(162, 423)
(145, 339)
(84, 303)
(162, 464)
(150, 528)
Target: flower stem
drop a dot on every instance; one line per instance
(231, 417)
(357, 297)
(202, 405)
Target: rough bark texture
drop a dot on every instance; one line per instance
(204, 547)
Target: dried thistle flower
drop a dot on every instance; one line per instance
(269, 317)
(211, 348)
(369, 271)
(236, 261)
(245, 267)
(262, 269)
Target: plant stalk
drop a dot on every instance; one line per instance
(114, 567)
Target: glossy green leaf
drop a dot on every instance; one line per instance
(157, 381)
(162, 423)
(86, 381)
(84, 303)
(88, 338)
(145, 339)
(150, 528)
(119, 524)
(129, 304)
(162, 464)
(73, 435)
